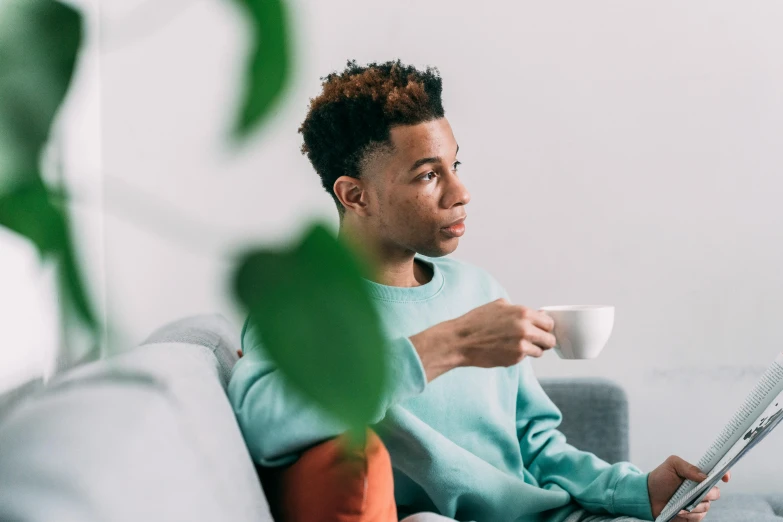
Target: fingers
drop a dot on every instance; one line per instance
(531, 349)
(540, 319)
(684, 515)
(703, 507)
(537, 318)
(699, 512)
(538, 336)
(534, 326)
(726, 477)
(686, 470)
(714, 494)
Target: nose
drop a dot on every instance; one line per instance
(457, 193)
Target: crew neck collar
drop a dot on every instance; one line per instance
(412, 293)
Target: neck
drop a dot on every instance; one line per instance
(389, 265)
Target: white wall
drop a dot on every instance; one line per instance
(617, 152)
(28, 317)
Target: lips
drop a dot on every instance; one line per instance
(455, 228)
(457, 222)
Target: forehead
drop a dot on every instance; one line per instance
(430, 138)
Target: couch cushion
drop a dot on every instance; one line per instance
(146, 435)
(775, 502)
(745, 507)
(749, 508)
(744, 502)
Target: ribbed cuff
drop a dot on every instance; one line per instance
(407, 377)
(631, 497)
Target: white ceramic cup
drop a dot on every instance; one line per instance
(581, 331)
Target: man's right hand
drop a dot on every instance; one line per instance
(495, 334)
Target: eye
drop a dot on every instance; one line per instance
(432, 173)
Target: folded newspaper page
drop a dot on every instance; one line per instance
(758, 415)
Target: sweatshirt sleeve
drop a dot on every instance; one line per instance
(277, 423)
(601, 488)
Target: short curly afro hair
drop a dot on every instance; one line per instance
(353, 116)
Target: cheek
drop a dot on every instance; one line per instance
(411, 211)
(419, 204)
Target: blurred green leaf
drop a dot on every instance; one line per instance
(39, 44)
(27, 210)
(318, 323)
(268, 65)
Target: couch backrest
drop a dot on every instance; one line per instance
(595, 415)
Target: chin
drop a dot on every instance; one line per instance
(440, 249)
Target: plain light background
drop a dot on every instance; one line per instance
(623, 153)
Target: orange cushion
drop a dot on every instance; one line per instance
(330, 483)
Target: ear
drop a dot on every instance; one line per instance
(352, 193)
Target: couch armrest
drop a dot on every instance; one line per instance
(11, 398)
(595, 415)
(212, 331)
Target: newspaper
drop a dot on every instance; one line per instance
(758, 416)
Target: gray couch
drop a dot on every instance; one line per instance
(149, 435)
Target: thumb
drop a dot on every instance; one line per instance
(688, 471)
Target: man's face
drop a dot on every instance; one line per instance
(417, 191)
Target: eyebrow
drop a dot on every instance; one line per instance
(423, 161)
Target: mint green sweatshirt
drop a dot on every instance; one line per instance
(475, 444)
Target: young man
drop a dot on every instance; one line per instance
(471, 434)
